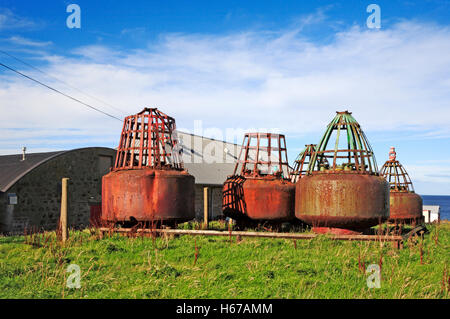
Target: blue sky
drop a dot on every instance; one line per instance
(108, 22)
(273, 65)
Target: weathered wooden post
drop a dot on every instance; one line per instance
(63, 217)
(205, 206)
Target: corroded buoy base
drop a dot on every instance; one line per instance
(264, 199)
(148, 196)
(343, 200)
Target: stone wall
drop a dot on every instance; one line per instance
(39, 191)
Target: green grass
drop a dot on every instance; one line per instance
(122, 267)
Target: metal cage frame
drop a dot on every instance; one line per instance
(396, 175)
(251, 168)
(148, 140)
(301, 163)
(359, 153)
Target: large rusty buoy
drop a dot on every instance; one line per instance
(342, 191)
(260, 189)
(148, 183)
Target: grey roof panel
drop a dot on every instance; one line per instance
(12, 168)
(199, 149)
(210, 161)
(210, 174)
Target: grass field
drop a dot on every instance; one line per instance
(213, 267)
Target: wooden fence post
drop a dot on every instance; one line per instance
(205, 206)
(63, 217)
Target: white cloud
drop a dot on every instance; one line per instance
(9, 20)
(27, 42)
(400, 74)
(430, 179)
(430, 173)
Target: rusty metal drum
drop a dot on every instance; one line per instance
(406, 208)
(342, 200)
(148, 195)
(269, 199)
(342, 191)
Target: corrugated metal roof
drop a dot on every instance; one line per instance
(12, 168)
(210, 161)
(211, 174)
(199, 149)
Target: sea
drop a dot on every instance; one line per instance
(443, 201)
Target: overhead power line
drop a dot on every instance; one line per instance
(59, 80)
(59, 92)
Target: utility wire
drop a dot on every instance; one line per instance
(65, 83)
(57, 91)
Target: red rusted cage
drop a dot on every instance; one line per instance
(263, 154)
(148, 140)
(148, 182)
(260, 188)
(342, 191)
(405, 204)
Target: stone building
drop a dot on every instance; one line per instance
(30, 189)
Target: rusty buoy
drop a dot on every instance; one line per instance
(148, 183)
(260, 189)
(405, 204)
(342, 191)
